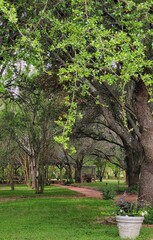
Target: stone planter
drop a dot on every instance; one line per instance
(129, 227)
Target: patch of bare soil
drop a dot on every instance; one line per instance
(107, 221)
(127, 197)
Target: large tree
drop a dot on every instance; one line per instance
(90, 45)
(110, 43)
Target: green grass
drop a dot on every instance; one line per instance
(68, 218)
(58, 219)
(24, 191)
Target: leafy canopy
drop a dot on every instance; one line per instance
(82, 42)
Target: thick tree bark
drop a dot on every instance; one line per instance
(134, 157)
(132, 145)
(146, 123)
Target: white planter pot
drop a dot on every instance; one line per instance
(129, 227)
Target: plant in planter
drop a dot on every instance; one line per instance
(129, 218)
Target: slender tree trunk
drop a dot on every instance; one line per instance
(69, 172)
(11, 175)
(101, 171)
(33, 173)
(3, 174)
(46, 180)
(26, 164)
(60, 167)
(40, 180)
(61, 174)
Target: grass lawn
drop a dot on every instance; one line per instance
(58, 219)
(24, 191)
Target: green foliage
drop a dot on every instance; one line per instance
(9, 11)
(83, 42)
(108, 192)
(67, 124)
(69, 181)
(132, 190)
(149, 217)
(125, 208)
(103, 51)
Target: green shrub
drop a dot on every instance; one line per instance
(132, 190)
(108, 192)
(149, 217)
(68, 182)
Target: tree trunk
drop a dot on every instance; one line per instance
(33, 173)
(130, 139)
(101, 171)
(40, 180)
(11, 175)
(68, 172)
(133, 159)
(3, 174)
(26, 166)
(61, 174)
(78, 169)
(46, 179)
(60, 167)
(145, 119)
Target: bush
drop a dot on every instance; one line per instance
(132, 190)
(108, 193)
(149, 217)
(68, 182)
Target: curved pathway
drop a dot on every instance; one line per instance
(92, 193)
(86, 192)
